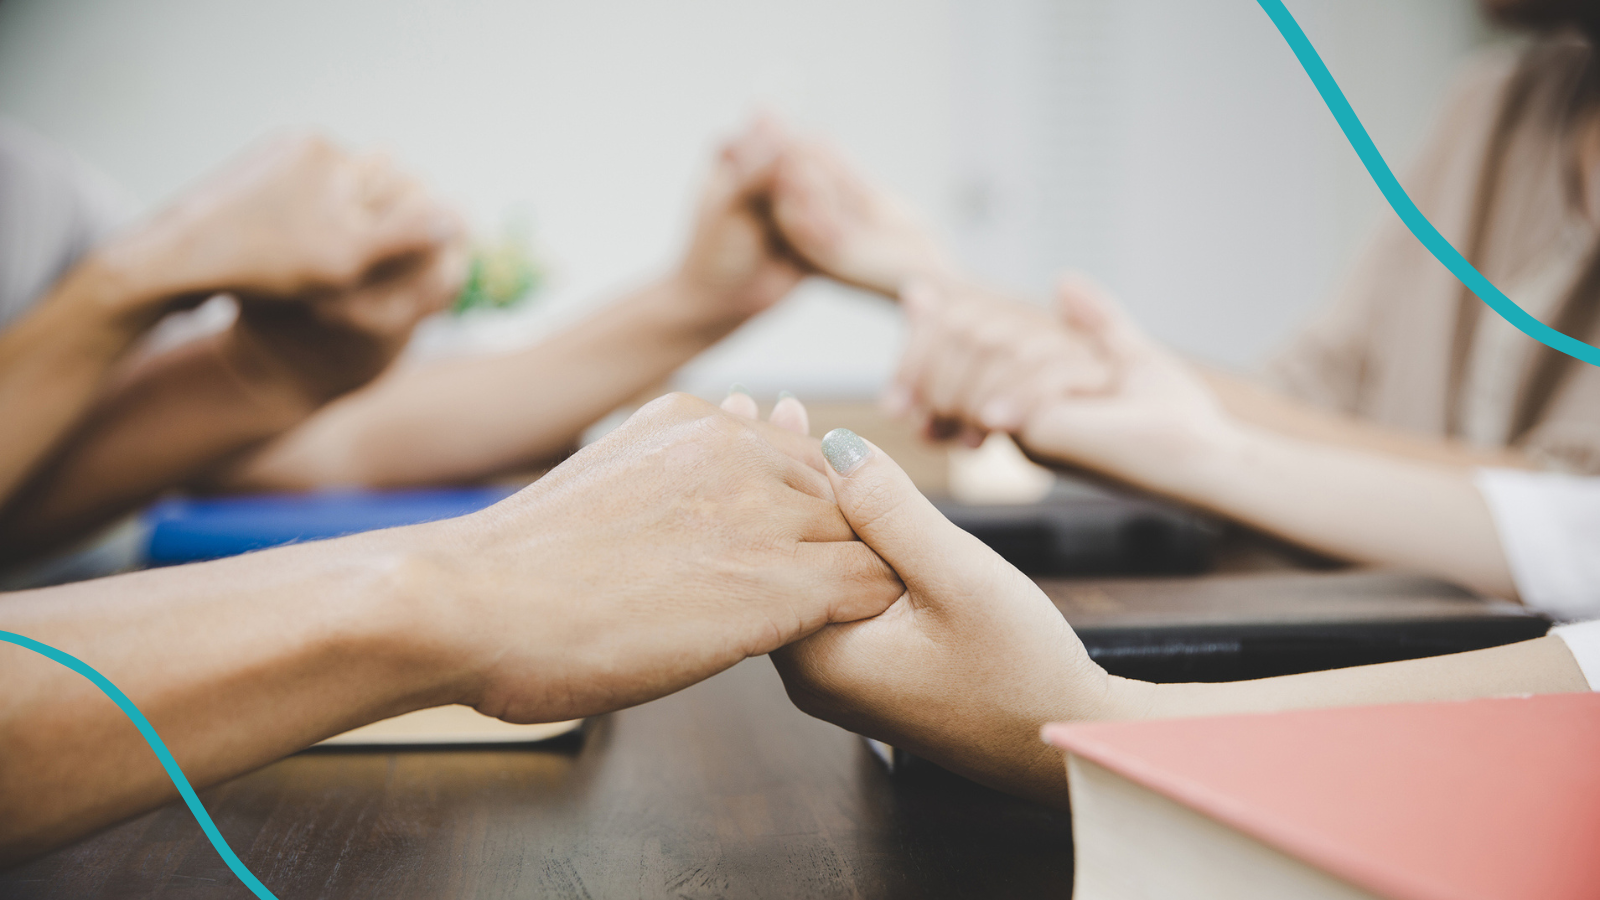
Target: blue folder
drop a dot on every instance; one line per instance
(193, 529)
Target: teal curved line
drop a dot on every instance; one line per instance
(1401, 201)
(161, 751)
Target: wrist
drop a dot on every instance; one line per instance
(110, 296)
(411, 619)
(136, 277)
(469, 622)
(684, 308)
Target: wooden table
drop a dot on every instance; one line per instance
(722, 790)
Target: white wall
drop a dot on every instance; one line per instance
(1172, 146)
(1178, 152)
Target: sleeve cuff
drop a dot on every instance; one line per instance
(1583, 640)
(1549, 528)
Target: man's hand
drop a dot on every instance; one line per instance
(847, 228)
(683, 542)
(335, 342)
(294, 218)
(735, 265)
(967, 664)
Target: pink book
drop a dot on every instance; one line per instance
(1495, 798)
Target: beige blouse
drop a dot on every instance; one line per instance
(1405, 345)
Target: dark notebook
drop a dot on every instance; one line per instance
(1227, 628)
(1098, 532)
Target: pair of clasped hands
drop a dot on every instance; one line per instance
(333, 257)
(693, 537)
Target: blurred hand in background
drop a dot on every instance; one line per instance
(333, 259)
(847, 228)
(736, 265)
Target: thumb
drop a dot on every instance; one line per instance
(891, 516)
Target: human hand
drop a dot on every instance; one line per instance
(1155, 425)
(735, 266)
(976, 362)
(967, 664)
(679, 544)
(337, 341)
(293, 218)
(846, 228)
(1084, 387)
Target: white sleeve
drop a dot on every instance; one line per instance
(1549, 527)
(1583, 640)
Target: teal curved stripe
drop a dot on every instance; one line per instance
(1401, 202)
(161, 751)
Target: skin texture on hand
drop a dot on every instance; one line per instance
(688, 539)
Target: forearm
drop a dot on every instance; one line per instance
(173, 418)
(55, 360)
(1257, 405)
(235, 663)
(462, 420)
(1351, 504)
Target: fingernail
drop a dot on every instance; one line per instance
(785, 395)
(738, 388)
(844, 450)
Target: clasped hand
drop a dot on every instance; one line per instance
(332, 256)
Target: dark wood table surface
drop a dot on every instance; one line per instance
(723, 790)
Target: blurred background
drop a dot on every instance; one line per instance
(1172, 148)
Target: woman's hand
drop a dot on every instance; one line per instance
(681, 543)
(976, 362)
(967, 664)
(847, 228)
(1084, 387)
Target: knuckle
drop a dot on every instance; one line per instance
(674, 407)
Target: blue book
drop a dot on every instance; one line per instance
(192, 529)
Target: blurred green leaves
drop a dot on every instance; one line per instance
(503, 273)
